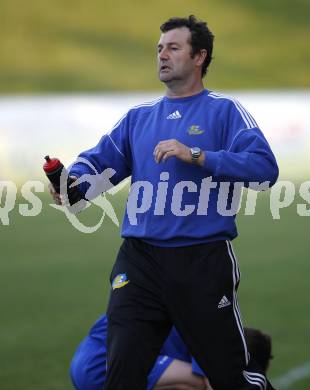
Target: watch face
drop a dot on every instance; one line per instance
(195, 152)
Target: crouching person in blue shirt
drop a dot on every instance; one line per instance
(174, 368)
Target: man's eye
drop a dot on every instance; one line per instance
(174, 48)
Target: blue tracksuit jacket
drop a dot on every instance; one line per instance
(172, 203)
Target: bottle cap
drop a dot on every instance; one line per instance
(51, 164)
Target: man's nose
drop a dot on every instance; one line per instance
(163, 54)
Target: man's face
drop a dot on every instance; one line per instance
(174, 55)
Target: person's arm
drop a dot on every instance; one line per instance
(248, 159)
(108, 163)
(179, 376)
(244, 154)
(175, 369)
(172, 369)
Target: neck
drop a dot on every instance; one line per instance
(177, 89)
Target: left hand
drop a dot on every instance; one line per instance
(172, 147)
(169, 148)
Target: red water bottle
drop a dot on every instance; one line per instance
(56, 173)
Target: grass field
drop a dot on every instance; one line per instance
(106, 45)
(54, 279)
(54, 284)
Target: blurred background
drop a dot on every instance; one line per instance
(68, 71)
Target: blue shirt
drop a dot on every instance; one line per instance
(171, 203)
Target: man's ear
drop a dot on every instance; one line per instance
(201, 56)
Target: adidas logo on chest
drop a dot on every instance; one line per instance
(175, 115)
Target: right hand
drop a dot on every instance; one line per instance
(57, 197)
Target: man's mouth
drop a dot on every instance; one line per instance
(164, 68)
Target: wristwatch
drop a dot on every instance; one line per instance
(195, 154)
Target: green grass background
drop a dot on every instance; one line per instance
(54, 284)
(54, 279)
(100, 45)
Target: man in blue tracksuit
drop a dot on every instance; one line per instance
(176, 265)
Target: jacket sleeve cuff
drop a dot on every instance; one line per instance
(79, 170)
(212, 162)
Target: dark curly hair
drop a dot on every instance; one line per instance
(201, 36)
(259, 345)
